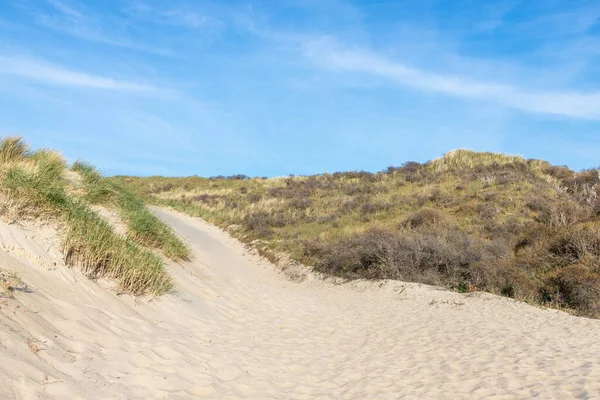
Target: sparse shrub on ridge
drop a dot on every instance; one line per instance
(576, 287)
(425, 217)
(469, 221)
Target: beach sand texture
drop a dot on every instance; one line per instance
(237, 328)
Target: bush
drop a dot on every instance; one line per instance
(435, 258)
(575, 287)
(208, 199)
(423, 218)
(262, 222)
(300, 203)
(575, 245)
(371, 208)
(563, 214)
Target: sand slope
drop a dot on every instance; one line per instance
(238, 329)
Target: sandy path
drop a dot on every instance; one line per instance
(237, 329)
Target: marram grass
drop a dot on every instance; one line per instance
(90, 244)
(33, 187)
(142, 226)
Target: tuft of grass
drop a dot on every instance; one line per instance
(145, 228)
(142, 226)
(466, 159)
(37, 191)
(13, 148)
(33, 186)
(90, 243)
(9, 282)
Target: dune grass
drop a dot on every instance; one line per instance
(9, 282)
(33, 186)
(467, 221)
(142, 226)
(90, 243)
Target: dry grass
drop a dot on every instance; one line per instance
(9, 282)
(13, 149)
(469, 221)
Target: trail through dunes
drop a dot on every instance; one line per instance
(238, 329)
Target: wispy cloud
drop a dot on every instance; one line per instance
(82, 23)
(326, 53)
(177, 16)
(187, 19)
(56, 75)
(65, 9)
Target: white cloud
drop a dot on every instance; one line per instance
(188, 19)
(83, 23)
(65, 9)
(567, 103)
(52, 74)
(177, 16)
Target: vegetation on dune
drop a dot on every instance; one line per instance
(9, 282)
(468, 221)
(33, 186)
(142, 226)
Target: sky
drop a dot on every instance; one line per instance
(271, 88)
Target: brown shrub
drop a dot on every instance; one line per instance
(576, 245)
(426, 217)
(512, 225)
(262, 222)
(575, 287)
(502, 277)
(350, 205)
(162, 188)
(352, 189)
(562, 173)
(259, 223)
(371, 208)
(562, 214)
(488, 211)
(208, 199)
(413, 177)
(323, 219)
(410, 167)
(253, 197)
(300, 203)
(431, 257)
(587, 177)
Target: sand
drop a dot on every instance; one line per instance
(238, 328)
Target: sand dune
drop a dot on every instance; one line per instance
(238, 329)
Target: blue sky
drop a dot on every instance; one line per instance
(272, 88)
